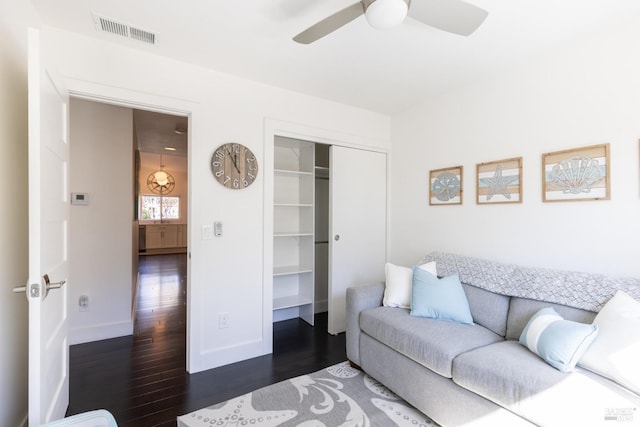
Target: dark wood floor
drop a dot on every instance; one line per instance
(141, 379)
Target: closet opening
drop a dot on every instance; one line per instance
(329, 227)
(301, 229)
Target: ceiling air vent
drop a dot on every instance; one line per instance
(122, 29)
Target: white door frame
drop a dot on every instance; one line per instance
(122, 97)
(273, 128)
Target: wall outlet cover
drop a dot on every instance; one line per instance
(83, 303)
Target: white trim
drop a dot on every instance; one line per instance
(223, 356)
(93, 91)
(323, 136)
(131, 98)
(272, 128)
(100, 332)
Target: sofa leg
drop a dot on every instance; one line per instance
(354, 366)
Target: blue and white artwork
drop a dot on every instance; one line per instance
(580, 174)
(445, 186)
(500, 181)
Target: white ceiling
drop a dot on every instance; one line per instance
(157, 132)
(384, 71)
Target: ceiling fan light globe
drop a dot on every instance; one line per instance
(386, 14)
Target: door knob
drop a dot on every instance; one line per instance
(54, 285)
(34, 289)
(48, 285)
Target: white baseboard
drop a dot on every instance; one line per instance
(100, 332)
(322, 306)
(209, 359)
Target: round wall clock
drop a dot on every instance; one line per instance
(234, 166)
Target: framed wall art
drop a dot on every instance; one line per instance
(445, 186)
(499, 181)
(576, 174)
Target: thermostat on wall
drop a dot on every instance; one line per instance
(81, 199)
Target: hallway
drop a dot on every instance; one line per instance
(136, 377)
(142, 380)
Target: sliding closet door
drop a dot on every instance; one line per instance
(357, 225)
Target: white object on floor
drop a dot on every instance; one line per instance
(97, 418)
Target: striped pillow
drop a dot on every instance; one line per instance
(561, 343)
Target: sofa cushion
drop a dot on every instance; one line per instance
(511, 376)
(488, 308)
(430, 342)
(522, 309)
(439, 298)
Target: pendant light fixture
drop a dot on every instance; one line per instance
(160, 181)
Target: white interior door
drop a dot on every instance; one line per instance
(48, 232)
(357, 223)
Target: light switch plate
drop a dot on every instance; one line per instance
(207, 232)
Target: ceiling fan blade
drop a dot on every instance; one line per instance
(330, 24)
(453, 16)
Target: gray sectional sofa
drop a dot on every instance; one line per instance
(480, 375)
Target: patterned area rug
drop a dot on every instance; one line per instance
(335, 396)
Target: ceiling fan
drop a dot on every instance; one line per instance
(453, 16)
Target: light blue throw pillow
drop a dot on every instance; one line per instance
(561, 343)
(439, 298)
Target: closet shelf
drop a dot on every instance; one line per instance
(292, 172)
(290, 302)
(293, 205)
(291, 269)
(293, 229)
(291, 234)
(322, 172)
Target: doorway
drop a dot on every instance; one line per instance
(114, 150)
(161, 182)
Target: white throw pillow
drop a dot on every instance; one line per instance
(615, 353)
(397, 292)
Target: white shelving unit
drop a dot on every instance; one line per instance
(293, 225)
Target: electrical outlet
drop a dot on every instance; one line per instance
(223, 320)
(83, 303)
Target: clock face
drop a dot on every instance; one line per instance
(234, 166)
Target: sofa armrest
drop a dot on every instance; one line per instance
(360, 298)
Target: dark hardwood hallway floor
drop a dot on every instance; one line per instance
(141, 379)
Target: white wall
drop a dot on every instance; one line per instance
(226, 273)
(100, 241)
(14, 19)
(580, 95)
